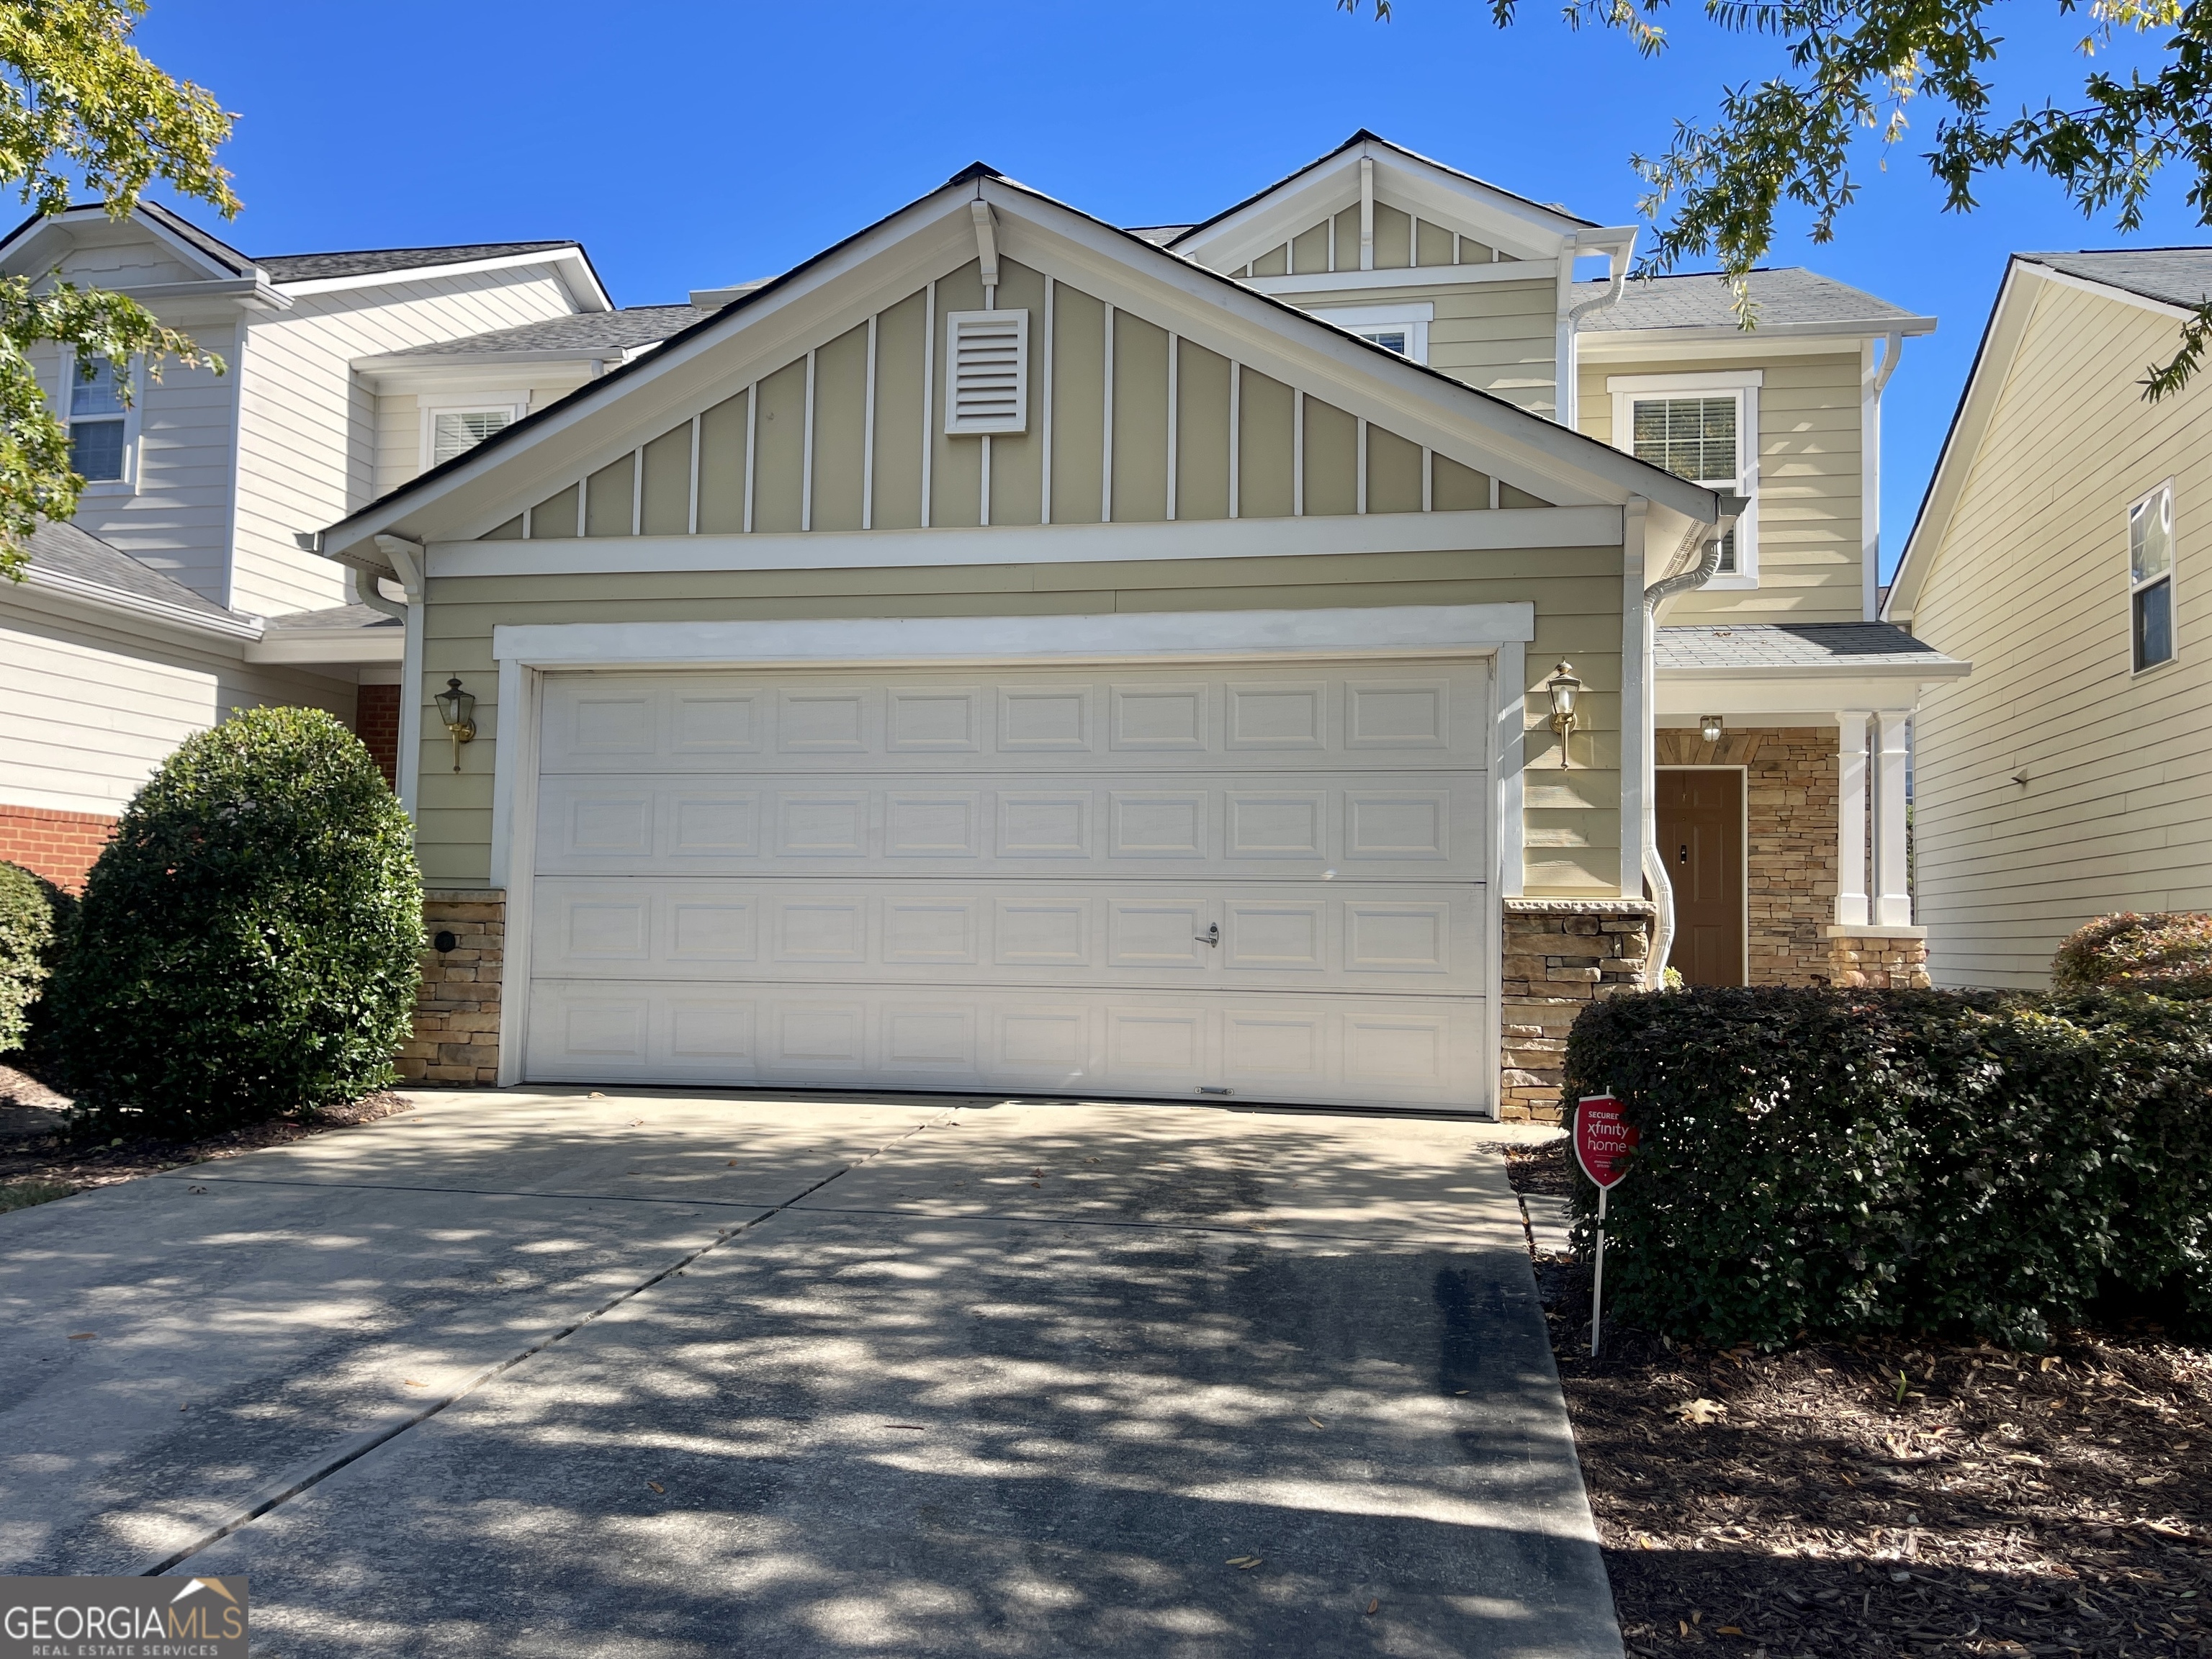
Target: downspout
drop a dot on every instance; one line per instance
(361, 589)
(1571, 393)
(1872, 380)
(1655, 867)
(406, 558)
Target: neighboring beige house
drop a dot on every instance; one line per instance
(1010, 652)
(2063, 546)
(181, 590)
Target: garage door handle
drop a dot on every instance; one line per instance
(1211, 936)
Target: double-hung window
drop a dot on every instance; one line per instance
(2150, 577)
(99, 423)
(1703, 427)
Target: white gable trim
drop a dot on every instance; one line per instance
(574, 269)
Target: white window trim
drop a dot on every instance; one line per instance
(1414, 317)
(128, 484)
(1628, 390)
(516, 403)
(2172, 571)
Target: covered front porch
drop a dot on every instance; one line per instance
(1784, 779)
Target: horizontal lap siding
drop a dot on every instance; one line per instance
(2031, 584)
(399, 417)
(309, 442)
(1573, 819)
(91, 711)
(1810, 504)
(1501, 338)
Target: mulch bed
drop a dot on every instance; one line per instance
(1923, 1498)
(38, 1144)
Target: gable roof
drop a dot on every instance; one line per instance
(585, 332)
(2170, 280)
(1790, 300)
(377, 261)
(1514, 433)
(71, 560)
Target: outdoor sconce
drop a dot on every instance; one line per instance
(1709, 727)
(457, 708)
(1565, 688)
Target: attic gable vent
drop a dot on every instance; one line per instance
(987, 385)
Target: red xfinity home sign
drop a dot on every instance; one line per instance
(1602, 1140)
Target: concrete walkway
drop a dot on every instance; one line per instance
(665, 1375)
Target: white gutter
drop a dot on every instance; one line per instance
(1621, 248)
(406, 558)
(233, 627)
(1655, 867)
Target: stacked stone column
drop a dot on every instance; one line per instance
(1561, 955)
(456, 1038)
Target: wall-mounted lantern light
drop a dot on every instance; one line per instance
(457, 708)
(1566, 690)
(1709, 727)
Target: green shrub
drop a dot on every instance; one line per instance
(33, 915)
(2166, 953)
(1860, 1163)
(247, 944)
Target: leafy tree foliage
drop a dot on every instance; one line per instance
(1856, 67)
(78, 101)
(33, 915)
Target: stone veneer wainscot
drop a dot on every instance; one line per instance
(1561, 955)
(457, 1007)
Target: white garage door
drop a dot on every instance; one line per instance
(1190, 880)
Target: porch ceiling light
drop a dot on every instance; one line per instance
(1566, 690)
(1709, 727)
(457, 708)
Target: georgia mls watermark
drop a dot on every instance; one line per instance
(123, 1617)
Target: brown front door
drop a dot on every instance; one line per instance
(1701, 839)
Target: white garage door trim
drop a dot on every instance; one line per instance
(526, 653)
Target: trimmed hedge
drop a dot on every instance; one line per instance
(2165, 953)
(247, 944)
(1848, 1163)
(34, 918)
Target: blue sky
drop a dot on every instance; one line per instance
(694, 145)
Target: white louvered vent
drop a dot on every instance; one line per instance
(987, 385)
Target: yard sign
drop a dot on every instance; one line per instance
(1604, 1140)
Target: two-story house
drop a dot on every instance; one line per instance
(1010, 652)
(181, 590)
(2059, 544)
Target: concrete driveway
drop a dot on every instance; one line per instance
(656, 1375)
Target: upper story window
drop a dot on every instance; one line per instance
(1403, 329)
(1703, 428)
(453, 426)
(2150, 577)
(99, 423)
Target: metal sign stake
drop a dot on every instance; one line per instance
(1598, 1280)
(1603, 1138)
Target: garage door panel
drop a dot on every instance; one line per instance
(1391, 939)
(1376, 1051)
(1382, 826)
(1072, 721)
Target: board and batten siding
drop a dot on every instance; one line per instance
(1402, 241)
(92, 707)
(2055, 784)
(1126, 422)
(307, 429)
(1809, 459)
(399, 415)
(1572, 818)
(1501, 338)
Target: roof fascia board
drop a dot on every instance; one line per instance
(575, 271)
(2008, 318)
(338, 647)
(100, 596)
(471, 371)
(2105, 291)
(1599, 351)
(1871, 328)
(1494, 530)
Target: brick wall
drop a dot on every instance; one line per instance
(376, 722)
(1791, 787)
(1560, 956)
(59, 846)
(456, 1008)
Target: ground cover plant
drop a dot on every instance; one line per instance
(1856, 1165)
(1889, 1496)
(247, 944)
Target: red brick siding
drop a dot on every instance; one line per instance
(59, 846)
(376, 721)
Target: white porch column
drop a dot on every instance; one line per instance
(1851, 819)
(1893, 899)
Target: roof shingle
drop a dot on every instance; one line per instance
(374, 261)
(68, 551)
(1791, 295)
(1792, 645)
(590, 330)
(2179, 275)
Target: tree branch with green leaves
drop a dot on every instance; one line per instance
(80, 107)
(1855, 68)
